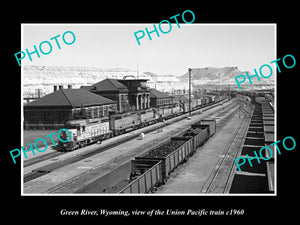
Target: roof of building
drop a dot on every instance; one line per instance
(70, 98)
(88, 88)
(158, 94)
(108, 85)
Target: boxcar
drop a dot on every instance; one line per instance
(185, 107)
(194, 103)
(206, 99)
(209, 99)
(198, 102)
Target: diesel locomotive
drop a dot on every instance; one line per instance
(87, 131)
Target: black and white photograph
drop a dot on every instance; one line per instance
(182, 113)
(149, 113)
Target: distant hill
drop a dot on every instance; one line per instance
(45, 77)
(212, 76)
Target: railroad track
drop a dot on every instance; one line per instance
(55, 165)
(74, 184)
(221, 177)
(41, 158)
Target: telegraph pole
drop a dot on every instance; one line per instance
(190, 92)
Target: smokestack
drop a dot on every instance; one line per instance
(54, 88)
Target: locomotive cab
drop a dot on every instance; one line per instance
(85, 132)
(70, 145)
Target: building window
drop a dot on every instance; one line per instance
(46, 116)
(95, 112)
(62, 116)
(31, 116)
(105, 111)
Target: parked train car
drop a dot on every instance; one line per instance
(153, 168)
(211, 124)
(203, 101)
(199, 104)
(199, 135)
(173, 153)
(206, 100)
(210, 98)
(145, 176)
(194, 104)
(185, 107)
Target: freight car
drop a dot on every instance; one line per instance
(201, 102)
(199, 134)
(158, 163)
(210, 124)
(173, 153)
(145, 177)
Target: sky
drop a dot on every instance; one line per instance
(246, 46)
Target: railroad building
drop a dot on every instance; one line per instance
(138, 93)
(161, 99)
(52, 111)
(130, 94)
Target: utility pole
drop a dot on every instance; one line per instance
(190, 92)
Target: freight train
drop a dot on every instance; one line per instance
(87, 131)
(152, 169)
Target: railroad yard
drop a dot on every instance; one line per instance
(179, 154)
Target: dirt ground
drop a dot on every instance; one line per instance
(30, 136)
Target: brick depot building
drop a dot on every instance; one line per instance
(55, 109)
(130, 94)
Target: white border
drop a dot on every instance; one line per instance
(151, 195)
